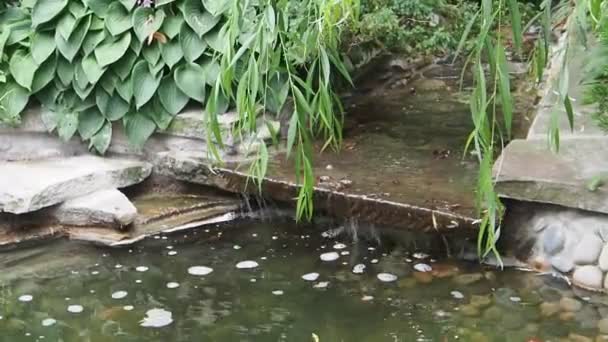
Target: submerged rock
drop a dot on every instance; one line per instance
(468, 278)
(570, 304)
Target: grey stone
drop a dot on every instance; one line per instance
(554, 239)
(105, 208)
(588, 277)
(603, 261)
(602, 325)
(32, 185)
(570, 304)
(588, 250)
(468, 278)
(562, 264)
(30, 146)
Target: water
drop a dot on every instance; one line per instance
(189, 288)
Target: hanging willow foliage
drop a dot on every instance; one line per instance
(93, 62)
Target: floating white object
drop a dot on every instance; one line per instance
(339, 246)
(311, 276)
(119, 294)
(367, 298)
(359, 268)
(141, 268)
(277, 292)
(75, 308)
(330, 256)
(128, 307)
(172, 253)
(157, 318)
(386, 277)
(321, 285)
(47, 322)
(26, 298)
(247, 264)
(375, 261)
(172, 285)
(515, 299)
(457, 295)
(420, 255)
(200, 270)
(423, 268)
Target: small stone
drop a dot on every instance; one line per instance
(468, 278)
(367, 298)
(47, 322)
(566, 316)
(554, 239)
(579, 338)
(119, 294)
(277, 292)
(588, 249)
(480, 301)
(603, 261)
(75, 308)
(200, 270)
(570, 304)
(562, 264)
(172, 285)
(469, 310)
(321, 285)
(588, 276)
(26, 298)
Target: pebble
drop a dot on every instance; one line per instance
(367, 298)
(330, 256)
(248, 264)
(311, 276)
(603, 261)
(468, 278)
(554, 239)
(457, 295)
(423, 268)
(588, 249)
(570, 304)
(588, 276)
(375, 261)
(359, 268)
(386, 277)
(562, 264)
(548, 309)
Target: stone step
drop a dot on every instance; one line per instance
(27, 186)
(102, 208)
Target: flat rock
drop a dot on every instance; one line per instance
(588, 249)
(588, 277)
(27, 186)
(101, 208)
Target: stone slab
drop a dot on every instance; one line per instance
(101, 208)
(528, 170)
(26, 186)
(31, 146)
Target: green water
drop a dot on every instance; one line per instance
(116, 289)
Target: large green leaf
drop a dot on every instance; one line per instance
(211, 71)
(44, 75)
(45, 10)
(218, 39)
(146, 21)
(19, 31)
(171, 97)
(101, 140)
(92, 40)
(172, 52)
(65, 71)
(4, 35)
(155, 111)
(138, 128)
(99, 7)
(144, 83)
(151, 53)
(113, 107)
(108, 82)
(22, 67)
(128, 4)
(77, 9)
(155, 69)
(123, 67)
(192, 45)
(67, 124)
(217, 7)
(198, 18)
(172, 25)
(92, 69)
(69, 48)
(90, 122)
(125, 89)
(13, 99)
(42, 45)
(110, 52)
(48, 96)
(191, 80)
(118, 19)
(66, 25)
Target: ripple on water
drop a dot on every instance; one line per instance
(247, 264)
(386, 277)
(119, 294)
(157, 318)
(200, 270)
(311, 276)
(75, 308)
(330, 256)
(26, 298)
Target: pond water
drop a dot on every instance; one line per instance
(260, 281)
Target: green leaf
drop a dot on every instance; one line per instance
(569, 111)
(92, 69)
(42, 46)
(99, 7)
(155, 111)
(516, 24)
(118, 19)
(22, 67)
(128, 4)
(66, 25)
(108, 82)
(13, 99)
(172, 52)
(110, 52)
(218, 39)
(172, 25)
(193, 46)
(124, 66)
(77, 9)
(19, 32)
(113, 107)
(151, 53)
(144, 84)
(125, 89)
(44, 75)
(4, 35)
(145, 22)
(67, 124)
(92, 40)
(65, 71)
(155, 69)
(69, 48)
(172, 99)
(190, 79)
(217, 7)
(138, 128)
(504, 87)
(198, 18)
(90, 122)
(211, 71)
(101, 140)
(45, 10)
(97, 23)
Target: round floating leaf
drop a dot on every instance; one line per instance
(144, 84)
(23, 67)
(42, 46)
(198, 18)
(192, 45)
(172, 99)
(101, 140)
(90, 122)
(145, 22)
(191, 80)
(45, 10)
(118, 19)
(110, 52)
